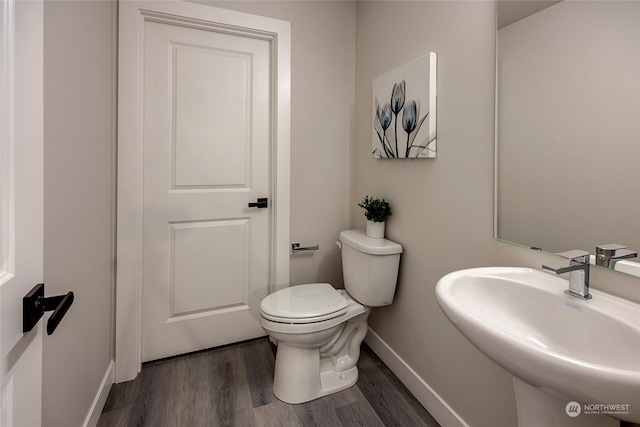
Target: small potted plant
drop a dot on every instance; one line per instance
(376, 211)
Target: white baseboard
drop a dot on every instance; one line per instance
(437, 407)
(101, 397)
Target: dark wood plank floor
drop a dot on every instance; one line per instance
(231, 386)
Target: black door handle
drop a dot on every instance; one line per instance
(260, 203)
(34, 304)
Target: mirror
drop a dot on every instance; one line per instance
(568, 124)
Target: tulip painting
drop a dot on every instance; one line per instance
(400, 128)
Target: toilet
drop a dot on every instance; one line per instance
(319, 329)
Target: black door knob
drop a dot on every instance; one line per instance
(260, 203)
(34, 304)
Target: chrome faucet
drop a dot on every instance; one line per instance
(578, 269)
(608, 255)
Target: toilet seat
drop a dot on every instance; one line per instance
(310, 303)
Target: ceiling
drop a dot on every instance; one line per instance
(510, 11)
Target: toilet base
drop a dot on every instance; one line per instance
(312, 364)
(333, 382)
(300, 375)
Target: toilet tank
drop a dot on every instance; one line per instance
(369, 267)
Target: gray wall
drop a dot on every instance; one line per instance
(78, 208)
(442, 207)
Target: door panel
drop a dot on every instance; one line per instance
(21, 208)
(150, 230)
(195, 245)
(206, 144)
(223, 161)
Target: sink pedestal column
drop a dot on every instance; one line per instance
(538, 407)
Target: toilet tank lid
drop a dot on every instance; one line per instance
(358, 240)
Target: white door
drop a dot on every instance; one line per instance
(203, 130)
(21, 207)
(206, 139)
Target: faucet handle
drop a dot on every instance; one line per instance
(578, 269)
(609, 249)
(577, 255)
(607, 255)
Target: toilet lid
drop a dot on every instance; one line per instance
(313, 302)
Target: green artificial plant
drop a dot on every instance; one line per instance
(375, 209)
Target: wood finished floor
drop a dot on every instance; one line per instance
(231, 386)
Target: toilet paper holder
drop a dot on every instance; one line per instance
(295, 247)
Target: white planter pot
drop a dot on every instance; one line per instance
(375, 229)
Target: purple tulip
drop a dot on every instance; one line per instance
(397, 97)
(397, 102)
(410, 121)
(410, 116)
(385, 116)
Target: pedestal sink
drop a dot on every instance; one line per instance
(559, 348)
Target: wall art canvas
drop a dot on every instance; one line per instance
(404, 111)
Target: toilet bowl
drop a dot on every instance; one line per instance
(317, 354)
(319, 329)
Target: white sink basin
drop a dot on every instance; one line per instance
(629, 267)
(589, 351)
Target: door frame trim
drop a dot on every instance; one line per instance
(132, 17)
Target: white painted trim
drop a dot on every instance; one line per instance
(132, 16)
(281, 191)
(101, 397)
(114, 170)
(7, 140)
(427, 396)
